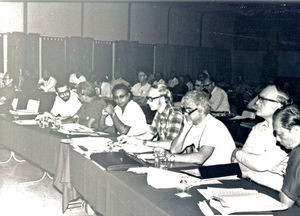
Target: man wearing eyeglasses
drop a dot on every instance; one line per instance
(203, 139)
(66, 102)
(218, 97)
(166, 123)
(261, 159)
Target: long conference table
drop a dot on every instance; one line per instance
(111, 193)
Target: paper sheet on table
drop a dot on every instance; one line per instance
(159, 178)
(136, 148)
(23, 112)
(26, 122)
(91, 144)
(238, 118)
(149, 156)
(255, 202)
(138, 170)
(76, 129)
(33, 105)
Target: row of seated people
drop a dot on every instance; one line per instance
(192, 135)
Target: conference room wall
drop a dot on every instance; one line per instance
(1, 54)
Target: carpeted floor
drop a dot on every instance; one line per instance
(37, 199)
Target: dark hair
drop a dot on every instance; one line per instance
(86, 88)
(288, 116)
(60, 84)
(121, 86)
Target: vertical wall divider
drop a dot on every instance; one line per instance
(154, 59)
(40, 57)
(113, 59)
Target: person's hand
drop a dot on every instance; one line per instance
(280, 168)
(187, 121)
(109, 109)
(123, 139)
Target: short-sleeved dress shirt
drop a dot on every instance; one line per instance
(139, 90)
(291, 181)
(167, 124)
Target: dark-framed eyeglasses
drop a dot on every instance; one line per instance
(259, 97)
(150, 99)
(188, 111)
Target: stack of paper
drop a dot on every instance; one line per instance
(76, 129)
(26, 122)
(230, 200)
(89, 145)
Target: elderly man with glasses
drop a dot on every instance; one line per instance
(166, 123)
(203, 139)
(261, 159)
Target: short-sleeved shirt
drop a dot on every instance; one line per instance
(66, 108)
(291, 181)
(212, 132)
(73, 79)
(219, 100)
(132, 116)
(139, 90)
(91, 110)
(167, 124)
(48, 85)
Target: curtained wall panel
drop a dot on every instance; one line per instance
(32, 55)
(190, 60)
(130, 57)
(103, 59)
(125, 64)
(144, 58)
(16, 49)
(79, 55)
(1, 54)
(53, 56)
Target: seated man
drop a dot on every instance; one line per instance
(260, 158)
(218, 97)
(47, 83)
(66, 102)
(91, 110)
(127, 117)
(117, 79)
(76, 78)
(286, 124)
(206, 137)
(7, 93)
(167, 121)
(140, 90)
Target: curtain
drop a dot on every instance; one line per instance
(32, 55)
(53, 57)
(79, 55)
(191, 60)
(16, 50)
(103, 59)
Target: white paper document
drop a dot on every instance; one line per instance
(23, 112)
(77, 129)
(136, 148)
(230, 200)
(89, 145)
(26, 122)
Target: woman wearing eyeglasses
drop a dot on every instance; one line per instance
(126, 117)
(166, 123)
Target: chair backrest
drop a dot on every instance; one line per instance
(33, 105)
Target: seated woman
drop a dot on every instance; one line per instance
(91, 110)
(126, 117)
